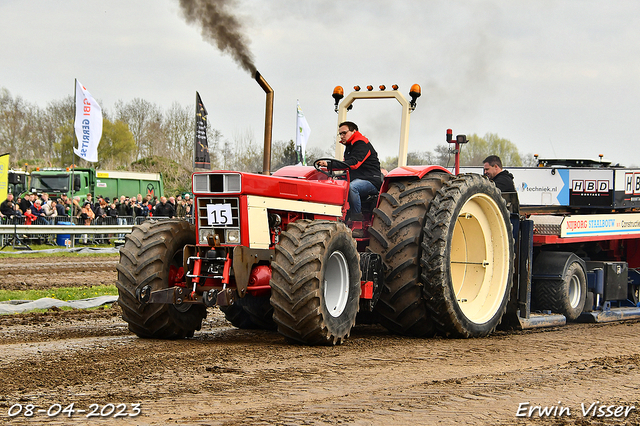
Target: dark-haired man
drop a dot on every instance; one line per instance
(364, 167)
(502, 178)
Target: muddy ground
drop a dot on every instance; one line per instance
(226, 376)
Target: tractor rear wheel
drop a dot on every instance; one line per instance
(396, 235)
(315, 282)
(250, 312)
(467, 259)
(152, 255)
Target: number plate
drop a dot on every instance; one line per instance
(219, 214)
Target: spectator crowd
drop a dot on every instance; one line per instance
(44, 211)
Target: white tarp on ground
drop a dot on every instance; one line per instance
(83, 250)
(17, 306)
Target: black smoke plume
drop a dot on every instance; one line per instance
(221, 28)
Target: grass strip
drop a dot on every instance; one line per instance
(63, 293)
(10, 252)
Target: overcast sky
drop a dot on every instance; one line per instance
(557, 78)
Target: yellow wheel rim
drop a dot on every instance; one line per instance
(479, 262)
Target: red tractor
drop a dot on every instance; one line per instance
(277, 252)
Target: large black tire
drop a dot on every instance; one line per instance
(315, 282)
(250, 312)
(467, 259)
(566, 296)
(396, 235)
(149, 253)
(634, 294)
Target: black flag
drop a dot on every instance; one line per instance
(201, 149)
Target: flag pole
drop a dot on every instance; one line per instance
(201, 158)
(295, 140)
(193, 169)
(73, 169)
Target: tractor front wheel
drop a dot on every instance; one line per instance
(315, 282)
(152, 256)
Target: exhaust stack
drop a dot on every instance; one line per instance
(268, 125)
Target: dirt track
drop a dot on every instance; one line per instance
(229, 376)
(24, 273)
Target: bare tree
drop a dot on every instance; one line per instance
(179, 130)
(55, 124)
(145, 123)
(243, 153)
(16, 129)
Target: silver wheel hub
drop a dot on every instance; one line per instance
(574, 292)
(336, 284)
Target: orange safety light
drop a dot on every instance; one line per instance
(356, 88)
(415, 93)
(369, 87)
(382, 87)
(535, 157)
(338, 93)
(394, 87)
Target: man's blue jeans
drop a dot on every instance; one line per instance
(360, 189)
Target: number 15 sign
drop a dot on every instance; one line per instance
(219, 214)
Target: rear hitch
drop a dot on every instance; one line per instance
(210, 298)
(224, 297)
(172, 295)
(179, 295)
(143, 294)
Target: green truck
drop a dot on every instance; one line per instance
(105, 183)
(17, 181)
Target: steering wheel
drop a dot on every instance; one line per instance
(333, 166)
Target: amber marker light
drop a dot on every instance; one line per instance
(394, 87)
(356, 88)
(382, 87)
(535, 157)
(415, 93)
(369, 87)
(338, 93)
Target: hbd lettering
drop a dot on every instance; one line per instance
(525, 409)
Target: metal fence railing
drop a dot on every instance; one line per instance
(68, 231)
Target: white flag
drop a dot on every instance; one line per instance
(88, 124)
(302, 135)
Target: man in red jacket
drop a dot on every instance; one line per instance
(364, 172)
